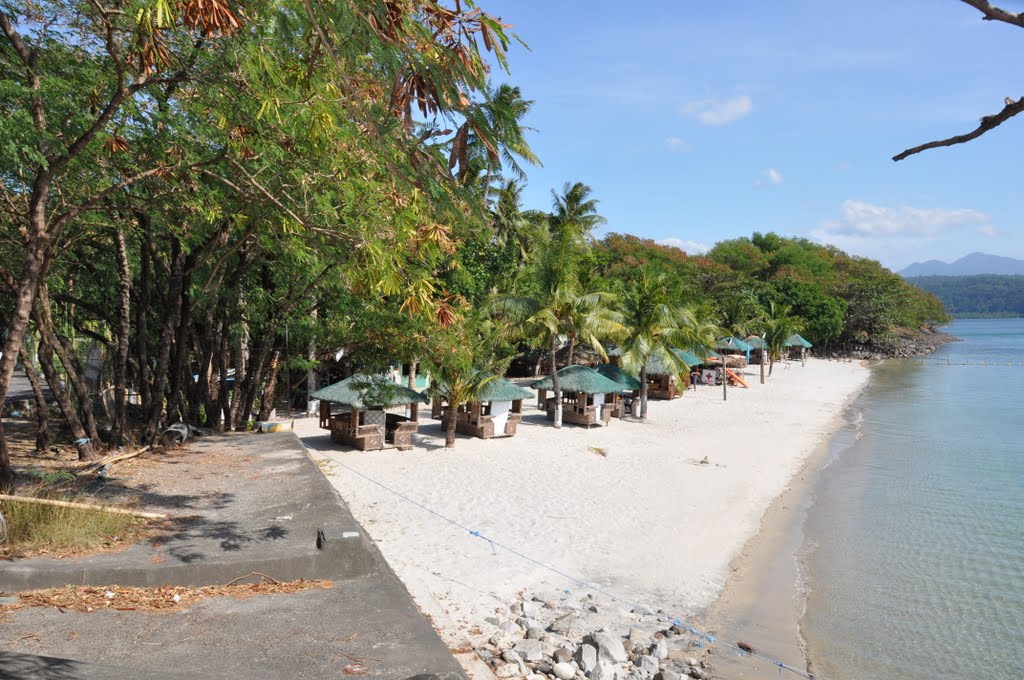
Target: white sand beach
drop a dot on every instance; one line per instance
(647, 521)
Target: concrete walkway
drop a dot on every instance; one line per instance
(268, 524)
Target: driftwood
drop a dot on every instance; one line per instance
(95, 466)
(81, 506)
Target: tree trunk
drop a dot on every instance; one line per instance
(42, 408)
(643, 392)
(267, 403)
(556, 387)
(572, 350)
(83, 442)
(241, 367)
(171, 313)
(120, 415)
(179, 373)
(412, 373)
(32, 272)
(6, 473)
(141, 340)
(76, 377)
(449, 430)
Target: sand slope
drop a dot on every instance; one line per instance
(647, 522)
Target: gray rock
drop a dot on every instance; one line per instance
(563, 671)
(563, 624)
(659, 650)
(534, 633)
(558, 640)
(511, 656)
(502, 640)
(606, 671)
(698, 674)
(494, 621)
(690, 661)
(592, 608)
(508, 670)
(527, 624)
(548, 649)
(586, 657)
(609, 647)
(562, 655)
(667, 674)
(529, 650)
(536, 676)
(636, 634)
(511, 628)
(648, 664)
(531, 610)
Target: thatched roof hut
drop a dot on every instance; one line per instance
(364, 423)
(496, 413)
(617, 375)
(578, 379)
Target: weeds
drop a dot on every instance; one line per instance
(43, 529)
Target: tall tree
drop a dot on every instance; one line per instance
(654, 326)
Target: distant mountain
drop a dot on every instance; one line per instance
(968, 265)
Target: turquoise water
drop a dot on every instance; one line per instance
(914, 553)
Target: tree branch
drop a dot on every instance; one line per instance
(1011, 109)
(993, 13)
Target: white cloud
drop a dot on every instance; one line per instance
(685, 245)
(718, 111)
(770, 177)
(678, 144)
(987, 230)
(863, 220)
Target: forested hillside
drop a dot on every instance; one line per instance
(984, 295)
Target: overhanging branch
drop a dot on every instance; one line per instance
(1011, 109)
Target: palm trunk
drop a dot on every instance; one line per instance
(643, 392)
(572, 350)
(6, 473)
(556, 387)
(449, 430)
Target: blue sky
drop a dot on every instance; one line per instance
(696, 122)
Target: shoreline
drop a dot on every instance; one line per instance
(629, 508)
(763, 599)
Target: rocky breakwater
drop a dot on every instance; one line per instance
(561, 636)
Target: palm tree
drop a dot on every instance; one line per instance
(493, 136)
(465, 361)
(778, 326)
(654, 326)
(575, 210)
(512, 225)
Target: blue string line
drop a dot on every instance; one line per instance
(701, 636)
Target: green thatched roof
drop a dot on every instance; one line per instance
(364, 391)
(616, 374)
(500, 389)
(579, 379)
(658, 367)
(797, 340)
(755, 342)
(732, 343)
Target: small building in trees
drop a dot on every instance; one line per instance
(497, 413)
(355, 411)
(733, 346)
(797, 346)
(628, 386)
(583, 395)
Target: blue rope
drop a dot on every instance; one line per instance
(83, 441)
(701, 636)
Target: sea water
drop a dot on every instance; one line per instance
(913, 560)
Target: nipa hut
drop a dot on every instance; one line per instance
(733, 346)
(628, 386)
(663, 382)
(583, 395)
(497, 413)
(797, 346)
(354, 410)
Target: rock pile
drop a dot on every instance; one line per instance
(560, 636)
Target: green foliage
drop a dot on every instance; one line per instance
(984, 295)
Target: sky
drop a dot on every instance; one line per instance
(696, 122)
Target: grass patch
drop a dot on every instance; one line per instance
(34, 529)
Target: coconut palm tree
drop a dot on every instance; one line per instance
(654, 325)
(777, 326)
(575, 210)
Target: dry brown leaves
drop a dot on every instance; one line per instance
(164, 598)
